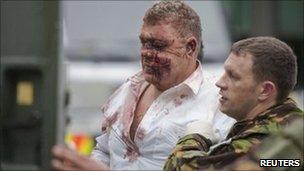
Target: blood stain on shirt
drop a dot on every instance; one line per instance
(166, 111)
(109, 121)
(183, 96)
(132, 152)
(140, 133)
(177, 102)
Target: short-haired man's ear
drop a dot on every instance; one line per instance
(191, 46)
(268, 90)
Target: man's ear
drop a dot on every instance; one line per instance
(267, 90)
(191, 46)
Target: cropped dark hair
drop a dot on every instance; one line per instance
(273, 60)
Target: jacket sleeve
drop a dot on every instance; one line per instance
(185, 152)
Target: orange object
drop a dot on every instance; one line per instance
(80, 142)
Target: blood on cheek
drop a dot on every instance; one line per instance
(155, 65)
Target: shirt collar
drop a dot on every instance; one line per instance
(195, 80)
(137, 78)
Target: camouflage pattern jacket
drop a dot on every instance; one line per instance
(194, 151)
(288, 143)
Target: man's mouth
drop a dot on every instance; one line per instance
(150, 69)
(154, 61)
(222, 99)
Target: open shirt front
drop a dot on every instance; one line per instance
(162, 125)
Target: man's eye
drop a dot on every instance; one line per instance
(232, 76)
(148, 45)
(159, 46)
(154, 45)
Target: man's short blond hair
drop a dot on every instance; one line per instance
(183, 17)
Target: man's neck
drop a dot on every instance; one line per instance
(154, 91)
(261, 107)
(190, 69)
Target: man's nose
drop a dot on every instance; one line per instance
(150, 55)
(221, 82)
(146, 52)
(143, 50)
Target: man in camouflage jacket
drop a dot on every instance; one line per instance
(287, 143)
(259, 74)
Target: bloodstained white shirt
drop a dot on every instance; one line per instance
(163, 124)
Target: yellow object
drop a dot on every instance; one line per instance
(25, 93)
(80, 142)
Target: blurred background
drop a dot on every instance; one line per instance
(60, 60)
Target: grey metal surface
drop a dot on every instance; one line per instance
(31, 53)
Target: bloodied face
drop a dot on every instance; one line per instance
(163, 55)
